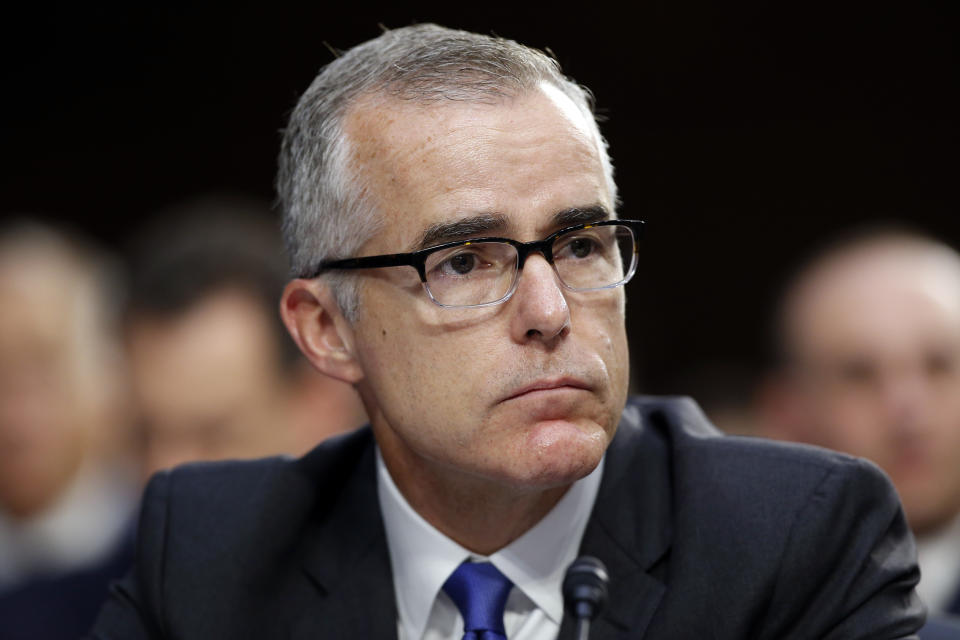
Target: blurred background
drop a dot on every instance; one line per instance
(748, 135)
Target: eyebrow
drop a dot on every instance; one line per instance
(580, 215)
(486, 224)
(461, 229)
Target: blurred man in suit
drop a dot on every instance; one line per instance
(67, 486)
(450, 214)
(869, 344)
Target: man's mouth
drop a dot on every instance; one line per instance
(548, 384)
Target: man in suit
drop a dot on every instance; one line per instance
(68, 488)
(869, 364)
(449, 208)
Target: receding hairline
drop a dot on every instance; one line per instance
(377, 100)
(374, 106)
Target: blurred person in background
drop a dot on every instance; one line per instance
(868, 338)
(214, 373)
(68, 489)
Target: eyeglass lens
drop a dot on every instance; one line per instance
(484, 272)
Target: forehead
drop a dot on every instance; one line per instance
(881, 299)
(523, 159)
(38, 299)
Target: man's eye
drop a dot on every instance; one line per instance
(460, 264)
(939, 363)
(858, 371)
(580, 248)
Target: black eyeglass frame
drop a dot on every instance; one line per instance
(418, 259)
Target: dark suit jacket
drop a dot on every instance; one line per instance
(954, 607)
(942, 627)
(704, 537)
(62, 606)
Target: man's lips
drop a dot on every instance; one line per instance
(548, 385)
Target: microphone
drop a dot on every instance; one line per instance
(585, 592)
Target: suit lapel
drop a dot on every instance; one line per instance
(347, 560)
(630, 530)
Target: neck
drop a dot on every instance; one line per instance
(479, 514)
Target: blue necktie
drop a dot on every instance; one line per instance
(480, 592)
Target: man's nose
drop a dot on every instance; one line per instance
(540, 306)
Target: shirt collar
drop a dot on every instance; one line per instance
(938, 555)
(422, 558)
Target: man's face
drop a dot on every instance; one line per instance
(878, 344)
(53, 381)
(208, 383)
(527, 393)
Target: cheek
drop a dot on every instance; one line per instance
(852, 423)
(615, 344)
(412, 376)
(605, 329)
(945, 433)
(944, 406)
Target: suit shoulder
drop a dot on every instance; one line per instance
(243, 480)
(701, 448)
(809, 536)
(752, 479)
(246, 499)
(212, 531)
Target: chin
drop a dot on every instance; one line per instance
(558, 453)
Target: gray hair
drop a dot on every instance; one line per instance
(325, 215)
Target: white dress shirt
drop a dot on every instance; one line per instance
(422, 559)
(938, 555)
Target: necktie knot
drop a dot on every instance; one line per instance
(480, 592)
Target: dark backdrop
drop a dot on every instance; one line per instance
(745, 133)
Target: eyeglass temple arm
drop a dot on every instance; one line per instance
(370, 262)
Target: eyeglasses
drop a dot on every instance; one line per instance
(482, 272)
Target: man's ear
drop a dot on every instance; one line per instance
(313, 318)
